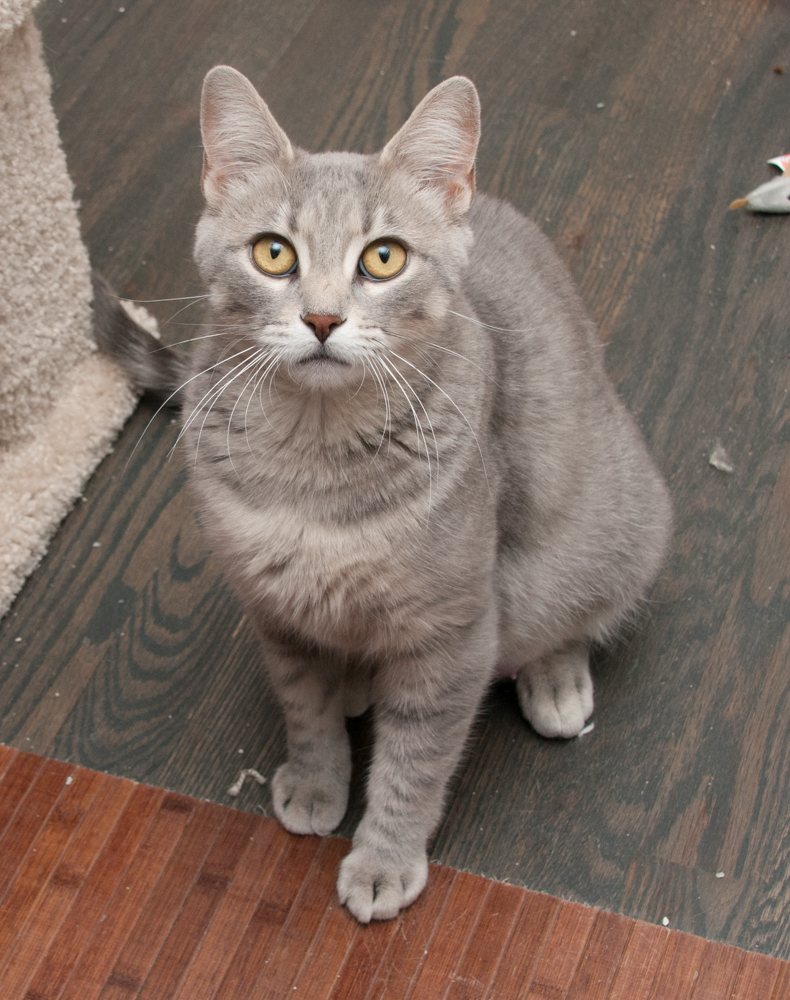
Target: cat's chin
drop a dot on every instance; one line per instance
(321, 371)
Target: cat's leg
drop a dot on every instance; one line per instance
(555, 691)
(310, 791)
(425, 706)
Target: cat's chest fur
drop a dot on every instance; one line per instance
(367, 587)
(340, 544)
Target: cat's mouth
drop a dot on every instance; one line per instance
(322, 357)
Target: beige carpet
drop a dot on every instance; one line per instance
(61, 404)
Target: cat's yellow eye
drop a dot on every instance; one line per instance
(383, 259)
(274, 255)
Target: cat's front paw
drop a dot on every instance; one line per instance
(309, 801)
(556, 693)
(375, 886)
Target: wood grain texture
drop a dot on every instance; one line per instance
(144, 944)
(782, 988)
(238, 905)
(526, 946)
(199, 908)
(7, 757)
(18, 777)
(134, 658)
(327, 953)
(719, 970)
(418, 929)
(119, 919)
(54, 967)
(757, 977)
(255, 947)
(23, 896)
(498, 916)
(636, 975)
(58, 896)
(563, 952)
(463, 911)
(364, 959)
(601, 959)
(160, 896)
(680, 965)
(304, 922)
(30, 818)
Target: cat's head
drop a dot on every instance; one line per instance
(333, 259)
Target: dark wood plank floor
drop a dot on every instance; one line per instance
(111, 890)
(625, 130)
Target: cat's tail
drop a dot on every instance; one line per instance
(149, 366)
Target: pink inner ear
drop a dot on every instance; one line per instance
(461, 192)
(212, 182)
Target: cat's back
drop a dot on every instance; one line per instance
(517, 278)
(572, 462)
(552, 394)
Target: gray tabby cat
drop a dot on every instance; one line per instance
(407, 455)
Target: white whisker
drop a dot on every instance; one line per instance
(361, 383)
(199, 406)
(224, 383)
(250, 325)
(270, 362)
(387, 428)
(178, 313)
(172, 394)
(178, 298)
(191, 340)
(447, 350)
(256, 358)
(452, 401)
(496, 329)
(424, 410)
(418, 428)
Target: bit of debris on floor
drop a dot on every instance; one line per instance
(720, 460)
(248, 772)
(587, 729)
(719, 874)
(665, 921)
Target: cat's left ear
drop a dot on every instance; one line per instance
(438, 143)
(239, 132)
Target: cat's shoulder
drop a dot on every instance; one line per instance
(493, 218)
(514, 261)
(502, 233)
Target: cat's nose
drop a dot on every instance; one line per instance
(322, 325)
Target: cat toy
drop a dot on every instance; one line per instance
(774, 195)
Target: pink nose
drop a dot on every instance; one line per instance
(322, 325)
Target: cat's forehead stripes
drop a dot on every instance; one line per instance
(329, 179)
(337, 212)
(324, 240)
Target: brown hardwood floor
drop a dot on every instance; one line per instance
(624, 129)
(111, 890)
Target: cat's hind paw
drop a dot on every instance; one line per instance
(309, 803)
(375, 887)
(556, 692)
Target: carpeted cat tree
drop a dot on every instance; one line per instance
(61, 404)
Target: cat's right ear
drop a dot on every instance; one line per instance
(239, 132)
